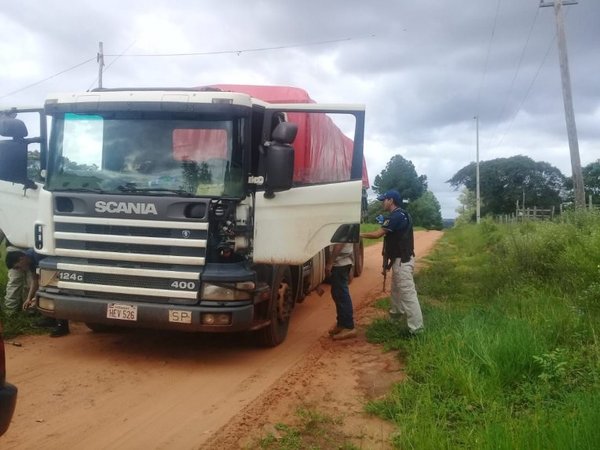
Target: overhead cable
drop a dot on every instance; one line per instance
(239, 52)
(487, 57)
(48, 78)
(550, 46)
(517, 70)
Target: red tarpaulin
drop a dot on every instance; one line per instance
(322, 152)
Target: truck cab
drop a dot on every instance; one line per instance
(178, 209)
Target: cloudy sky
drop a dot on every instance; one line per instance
(423, 68)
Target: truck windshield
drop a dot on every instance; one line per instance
(149, 153)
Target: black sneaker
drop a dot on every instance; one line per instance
(60, 330)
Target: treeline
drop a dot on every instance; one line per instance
(423, 206)
(507, 182)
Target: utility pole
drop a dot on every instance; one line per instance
(568, 99)
(477, 192)
(100, 59)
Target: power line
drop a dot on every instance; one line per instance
(48, 78)
(550, 45)
(528, 91)
(487, 56)
(221, 52)
(517, 70)
(248, 50)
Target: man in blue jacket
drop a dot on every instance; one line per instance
(398, 245)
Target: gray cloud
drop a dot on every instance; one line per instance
(417, 66)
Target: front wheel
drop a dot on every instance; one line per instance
(280, 310)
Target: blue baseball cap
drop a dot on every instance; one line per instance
(393, 194)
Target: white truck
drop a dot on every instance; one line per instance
(187, 209)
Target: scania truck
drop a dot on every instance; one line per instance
(204, 209)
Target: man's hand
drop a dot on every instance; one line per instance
(28, 304)
(328, 268)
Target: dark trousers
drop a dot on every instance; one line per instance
(341, 296)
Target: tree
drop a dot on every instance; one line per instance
(426, 211)
(591, 180)
(400, 174)
(504, 181)
(468, 207)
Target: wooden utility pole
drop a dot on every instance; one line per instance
(568, 99)
(478, 192)
(100, 59)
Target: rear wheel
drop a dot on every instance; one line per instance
(280, 310)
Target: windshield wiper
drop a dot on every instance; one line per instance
(80, 189)
(131, 188)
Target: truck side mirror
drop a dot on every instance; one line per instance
(13, 152)
(279, 159)
(14, 128)
(285, 133)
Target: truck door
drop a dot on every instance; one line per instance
(21, 159)
(324, 203)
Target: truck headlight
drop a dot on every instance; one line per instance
(48, 277)
(46, 304)
(228, 292)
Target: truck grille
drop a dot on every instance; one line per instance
(129, 258)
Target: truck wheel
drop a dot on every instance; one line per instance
(359, 258)
(282, 303)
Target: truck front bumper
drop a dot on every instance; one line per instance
(240, 316)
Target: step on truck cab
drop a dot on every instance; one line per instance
(206, 209)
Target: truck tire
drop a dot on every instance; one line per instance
(282, 303)
(359, 258)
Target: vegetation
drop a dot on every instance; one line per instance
(400, 174)
(504, 181)
(591, 180)
(426, 211)
(510, 358)
(314, 430)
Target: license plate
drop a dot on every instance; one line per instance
(121, 312)
(180, 316)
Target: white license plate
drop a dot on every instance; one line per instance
(121, 312)
(180, 316)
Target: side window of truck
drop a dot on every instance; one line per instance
(323, 147)
(33, 165)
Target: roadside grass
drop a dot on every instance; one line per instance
(367, 228)
(314, 430)
(510, 358)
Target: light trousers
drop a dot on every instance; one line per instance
(404, 294)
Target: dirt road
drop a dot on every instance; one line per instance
(159, 390)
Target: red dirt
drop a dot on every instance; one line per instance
(160, 390)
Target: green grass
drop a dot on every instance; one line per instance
(366, 228)
(313, 430)
(510, 358)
